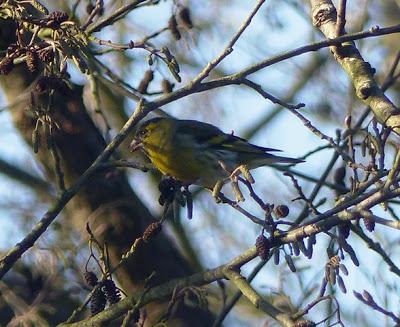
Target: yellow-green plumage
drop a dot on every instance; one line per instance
(199, 153)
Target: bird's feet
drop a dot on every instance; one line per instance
(245, 171)
(216, 191)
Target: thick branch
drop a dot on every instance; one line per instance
(166, 290)
(360, 72)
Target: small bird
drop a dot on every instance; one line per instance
(198, 153)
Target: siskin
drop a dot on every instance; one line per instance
(199, 153)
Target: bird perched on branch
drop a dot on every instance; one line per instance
(199, 153)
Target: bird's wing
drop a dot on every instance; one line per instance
(239, 144)
(201, 132)
(211, 136)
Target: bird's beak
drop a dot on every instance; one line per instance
(135, 145)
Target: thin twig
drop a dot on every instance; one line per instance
(229, 48)
(114, 16)
(341, 18)
(269, 96)
(97, 9)
(377, 248)
(301, 194)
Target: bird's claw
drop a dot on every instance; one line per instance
(245, 171)
(216, 190)
(238, 193)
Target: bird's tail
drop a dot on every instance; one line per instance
(271, 159)
(279, 159)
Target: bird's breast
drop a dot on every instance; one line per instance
(178, 163)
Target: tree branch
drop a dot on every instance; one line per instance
(359, 71)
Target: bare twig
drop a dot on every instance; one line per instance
(229, 48)
(270, 97)
(378, 249)
(301, 194)
(367, 299)
(97, 9)
(112, 18)
(341, 18)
